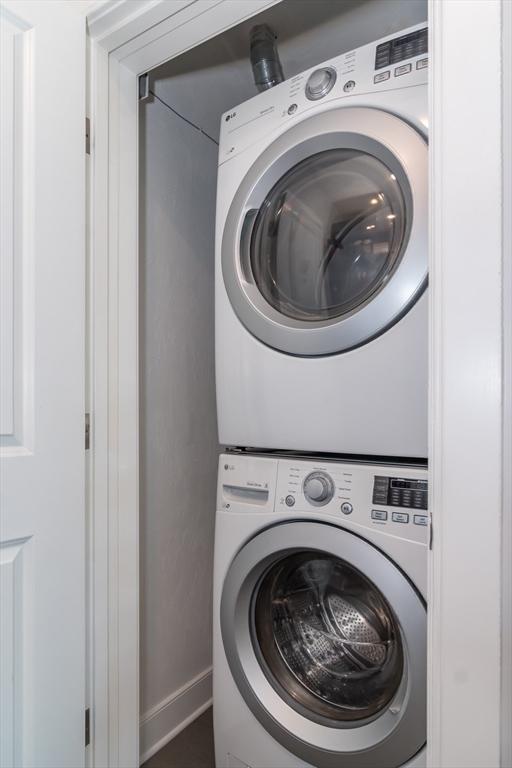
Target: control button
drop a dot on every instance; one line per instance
(379, 514)
(290, 500)
(349, 86)
(318, 488)
(382, 76)
(292, 108)
(347, 508)
(320, 82)
(422, 64)
(420, 500)
(400, 517)
(420, 520)
(403, 70)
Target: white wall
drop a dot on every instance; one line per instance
(178, 448)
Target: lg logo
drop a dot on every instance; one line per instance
(230, 116)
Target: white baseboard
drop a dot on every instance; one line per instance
(164, 721)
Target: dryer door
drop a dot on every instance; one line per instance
(326, 640)
(325, 243)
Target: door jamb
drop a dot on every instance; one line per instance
(128, 38)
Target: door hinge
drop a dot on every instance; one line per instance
(87, 431)
(144, 87)
(87, 136)
(87, 727)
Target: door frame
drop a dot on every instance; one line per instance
(470, 392)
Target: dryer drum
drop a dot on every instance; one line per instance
(327, 638)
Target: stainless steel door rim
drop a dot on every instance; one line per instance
(373, 133)
(398, 731)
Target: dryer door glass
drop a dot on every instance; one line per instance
(326, 638)
(328, 235)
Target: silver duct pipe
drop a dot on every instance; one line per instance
(266, 67)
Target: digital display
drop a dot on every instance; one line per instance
(405, 47)
(399, 483)
(400, 492)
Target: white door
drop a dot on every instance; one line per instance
(42, 523)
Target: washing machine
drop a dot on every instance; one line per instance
(320, 618)
(321, 258)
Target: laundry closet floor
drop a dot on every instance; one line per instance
(192, 748)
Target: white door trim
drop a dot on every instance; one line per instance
(506, 558)
(467, 395)
(128, 38)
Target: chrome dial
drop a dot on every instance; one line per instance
(320, 82)
(318, 488)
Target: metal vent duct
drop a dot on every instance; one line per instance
(266, 67)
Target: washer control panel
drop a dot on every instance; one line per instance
(360, 494)
(350, 493)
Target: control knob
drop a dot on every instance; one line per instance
(318, 488)
(320, 82)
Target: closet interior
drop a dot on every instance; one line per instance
(178, 148)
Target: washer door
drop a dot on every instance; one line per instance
(325, 243)
(326, 640)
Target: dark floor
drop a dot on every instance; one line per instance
(192, 748)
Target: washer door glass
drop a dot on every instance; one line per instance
(328, 235)
(327, 639)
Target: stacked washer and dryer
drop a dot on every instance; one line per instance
(321, 355)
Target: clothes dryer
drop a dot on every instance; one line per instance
(321, 258)
(320, 619)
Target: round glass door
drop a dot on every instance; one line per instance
(327, 638)
(324, 246)
(328, 235)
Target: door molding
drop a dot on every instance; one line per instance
(126, 39)
(467, 354)
(467, 394)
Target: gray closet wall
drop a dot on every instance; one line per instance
(178, 430)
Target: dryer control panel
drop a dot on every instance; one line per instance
(396, 61)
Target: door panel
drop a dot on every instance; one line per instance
(325, 243)
(328, 235)
(42, 523)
